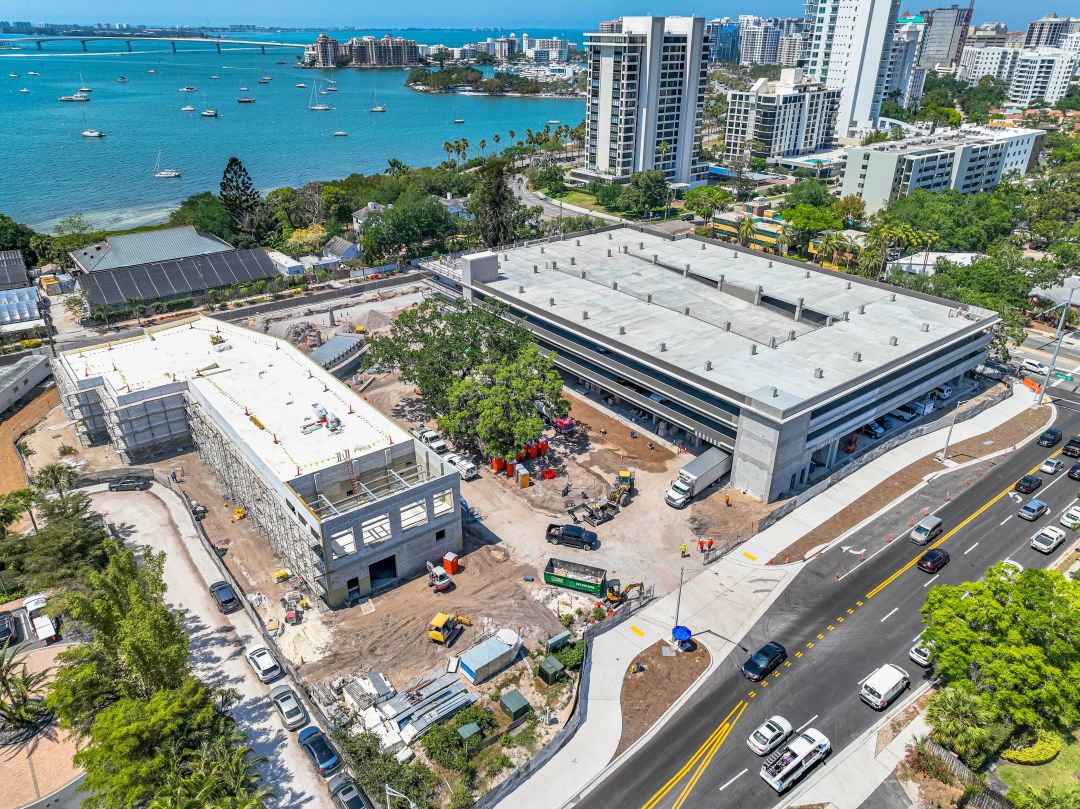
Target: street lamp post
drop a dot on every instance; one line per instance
(1057, 345)
(944, 456)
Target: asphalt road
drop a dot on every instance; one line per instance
(836, 633)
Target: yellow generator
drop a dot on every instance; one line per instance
(445, 628)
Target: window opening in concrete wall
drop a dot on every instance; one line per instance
(342, 543)
(383, 571)
(443, 502)
(414, 514)
(375, 530)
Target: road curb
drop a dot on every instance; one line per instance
(717, 659)
(834, 762)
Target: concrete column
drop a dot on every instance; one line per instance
(83, 41)
(38, 43)
(798, 311)
(830, 458)
(757, 296)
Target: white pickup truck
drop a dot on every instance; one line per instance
(430, 438)
(42, 624)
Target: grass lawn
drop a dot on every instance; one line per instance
(1057, 772)
(582, 199)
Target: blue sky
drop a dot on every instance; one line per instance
(427, 13)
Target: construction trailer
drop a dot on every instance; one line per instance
(489, 657)
(348, 500)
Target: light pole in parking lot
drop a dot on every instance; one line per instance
(1057, 345)
(678, 604)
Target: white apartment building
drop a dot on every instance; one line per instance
(968, 160)
(759, 41)
(1049, 30)
(646, 93)
(904, 79)
(543, 49)
(1030, 72)
(793, 116)
(850, 50)
(793, 49)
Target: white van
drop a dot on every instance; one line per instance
(927, 529)
(922, 406)
(883, 686)
(1030, 366)
(943, 392)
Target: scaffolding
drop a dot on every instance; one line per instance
(299, 550)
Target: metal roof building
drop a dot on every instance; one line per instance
(336, 349)
(168, 280)
(145, 247)
(13, 273)
(19, 309)
(773, 360)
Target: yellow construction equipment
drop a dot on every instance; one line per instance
(444, 628)
(624, 487)
(216, 339)
(616, 594)
(281, 574)
(238, 514)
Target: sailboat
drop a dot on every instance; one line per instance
(88, 132)
(33, 73)
(84, 88)
(161, 173)
(24, 90)
(187, 88)
(265, 78)
(375, 105)
(331, 86)
(244, 97)
(319, 107)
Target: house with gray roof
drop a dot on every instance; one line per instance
(341, 249)
(13, 273)
(146, 247)
(360, 217)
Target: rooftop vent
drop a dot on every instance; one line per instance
(663, 347)
(807, 274)
(857, 356)
(551, 301)
(585, 315)
(583, 274)
(753, 349)
(655, 258)
(818, 373)
(849, 284)
(573, 261)
(641, 245)
(791, 335)
(686, 310)
(775, 392)
(622, 329)
(520, 289)
(554, 264)
(648, 298)
(703, 245)
(610, 235)
(543, 249)
(506, 257)
(708, 365)
(772, 342)
(893, 341)
(727, 325)
(536, 268)
(862, 308)
(770, 264)
(577, 242)
(892, 297)
(614, 284)
(846, 313)
(609, 252)
(926, 327)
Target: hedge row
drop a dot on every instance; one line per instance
(1046, 748)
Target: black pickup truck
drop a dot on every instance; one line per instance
(572, 535)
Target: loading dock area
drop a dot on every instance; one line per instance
(775, 361)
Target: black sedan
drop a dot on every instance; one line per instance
(932, 561)
(1050, 437)
(763, 661)
(1028, 484)
(224, 597)
(1074, 471)
(130, 483)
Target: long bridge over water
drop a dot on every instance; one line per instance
(39, 41)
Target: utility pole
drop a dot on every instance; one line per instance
(1057, 346)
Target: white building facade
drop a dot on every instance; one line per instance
(1031, 73)
(850, 50)
(793, 116)
(904, 79)
(969, 159)
(646, 93)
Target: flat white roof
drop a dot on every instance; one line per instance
(263, 388)
(627, 300)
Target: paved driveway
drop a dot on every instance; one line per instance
(157, 518)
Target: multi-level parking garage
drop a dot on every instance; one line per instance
(773, 360)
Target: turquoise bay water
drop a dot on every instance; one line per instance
(47, 170)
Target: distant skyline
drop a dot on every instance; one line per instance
(581, 14)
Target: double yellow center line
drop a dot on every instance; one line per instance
(703, 757)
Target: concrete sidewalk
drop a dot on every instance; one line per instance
(728, 598)
(855, 772)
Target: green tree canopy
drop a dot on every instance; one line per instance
(499, 216)
(806, 220)
(206, 212)
(965, 222)
(415, 225)
(705, 200)
(493, 410)
(807, 192)
(242, 202)
(645, 191)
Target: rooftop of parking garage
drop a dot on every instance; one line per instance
(694, 305)
(264, 390)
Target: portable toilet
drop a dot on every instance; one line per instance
(551, 670)
(451, 562)
(514, 705)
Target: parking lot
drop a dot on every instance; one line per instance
(218, 642)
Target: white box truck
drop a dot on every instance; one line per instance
(697, 476)
(42, 624)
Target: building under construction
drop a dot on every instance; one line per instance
(348, 500)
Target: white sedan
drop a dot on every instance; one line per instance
(463, 465)
(1071, 517)
(1051, 466)
(920, 652)
(769, 736)
(1047, 539)
(264, 664)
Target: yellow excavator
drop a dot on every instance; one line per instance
(616, 593)
(444, 628)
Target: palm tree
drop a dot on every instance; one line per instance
(463, 148)
(496, 138)
(100, 312)
(1055, 797)
(927, 239)
(136, 307)
(959, 720)
(448, 147)
(511, 133)
(22, 692)
(783, 240)
(480, 147)
(13, 505)
(57, 478)
(395, 168)
(745, 231)
(830, 244)
(851, 251)
(663, 148)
